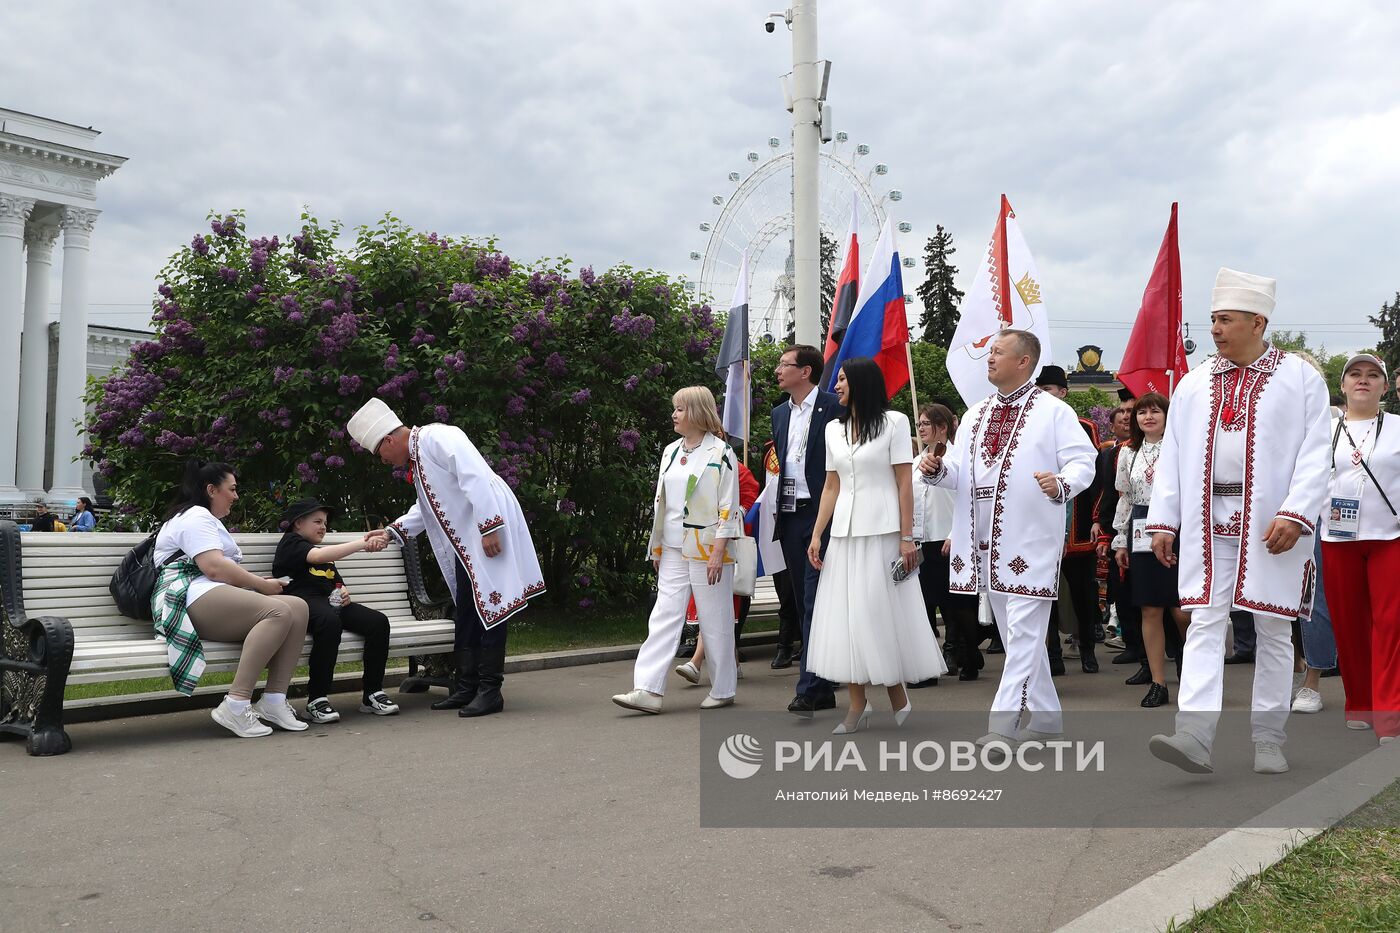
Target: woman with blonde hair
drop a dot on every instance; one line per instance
(696, 514)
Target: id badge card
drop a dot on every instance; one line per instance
(1142, 539)
(787, 495)
(1344, 518)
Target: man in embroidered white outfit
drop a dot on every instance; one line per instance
(1023, 458)
(479, 536)
(1241, 477)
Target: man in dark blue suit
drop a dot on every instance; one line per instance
(799, 437)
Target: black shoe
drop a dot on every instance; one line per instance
(1057, 667)
(465, 681)
(967, 674)
(1156, 696)
(491, 670)
(1143, 676)
(488, 701)
(781, 660)
(1088, 663)
(804, 705)
(931, 682)
(1245, 658)
(1099, 634)
(1129, 658)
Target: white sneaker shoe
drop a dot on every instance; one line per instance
(1268, 758)
(689, 672)
(639, 700)
(245, 725)
(282, 715)
(379, 704)
(1358, 724)
(1308, 700)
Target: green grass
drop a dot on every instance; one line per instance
(541, 629)
(1346, 879)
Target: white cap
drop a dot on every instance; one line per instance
(1366, 358)
(372, 423)
(1240, 291)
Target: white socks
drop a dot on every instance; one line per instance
(274, 699)
(236, 705)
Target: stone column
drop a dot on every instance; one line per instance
(39, 238)
(69, 414)
(14, 211)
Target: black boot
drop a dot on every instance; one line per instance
(491, 672)
(464, 681)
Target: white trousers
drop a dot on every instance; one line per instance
(676, 580)
(1026, 698)
(1200, 695)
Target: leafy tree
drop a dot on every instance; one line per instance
(829, 273)
(1330, 363)
(939, 295)
(931, 379)
(264, 349)
(1388, 320)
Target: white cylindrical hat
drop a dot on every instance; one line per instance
(1240, 291)
(372, 423)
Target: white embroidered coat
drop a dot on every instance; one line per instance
(1027, 527)
(1286, 411)
(460, 498)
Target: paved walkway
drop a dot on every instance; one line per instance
(565, 813)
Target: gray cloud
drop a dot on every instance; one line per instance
(600, 131)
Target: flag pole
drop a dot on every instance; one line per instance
(913, 390)
(748, 409)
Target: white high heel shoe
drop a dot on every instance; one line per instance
(860, 721)
(902, 714)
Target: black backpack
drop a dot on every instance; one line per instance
(134, 580)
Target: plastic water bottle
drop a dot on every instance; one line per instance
(337, 597)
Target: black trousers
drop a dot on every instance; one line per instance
(789, 621)
(1078, 571)
(325, 623)
(959, 610)
(1129, 616)
(470, 632)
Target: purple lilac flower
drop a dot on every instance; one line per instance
(585, 580)
(132, 437)
(586, 276)
(555, 365)
(585, 603)
(494, 266)
(317, 457)
(464, 293)
(628, 440)
(441, 413)
(631, 384)
(166, 291)
(199, 245)
(391, 359)
(226, 227)
(307, 474)
(581, 396)
(228, 274)
(515, 406)
(257, 261)
(335, 461)
(568, 506)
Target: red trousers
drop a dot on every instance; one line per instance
(1362, 579)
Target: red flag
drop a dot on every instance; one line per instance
(843, 303)
(1155, 359)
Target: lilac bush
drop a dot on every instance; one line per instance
(265, 346)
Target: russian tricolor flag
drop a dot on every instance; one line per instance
(879, 327)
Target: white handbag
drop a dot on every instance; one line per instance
(745, 553)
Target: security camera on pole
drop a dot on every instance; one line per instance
(805, 89)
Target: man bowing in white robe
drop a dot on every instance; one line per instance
(1242, 476)
(1023, 458)
(479, 536)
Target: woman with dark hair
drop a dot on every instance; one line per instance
(937, 427)
(83, 518)
(203, 593)
(1152, 586)
(869, 626)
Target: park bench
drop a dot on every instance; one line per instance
(61, 627)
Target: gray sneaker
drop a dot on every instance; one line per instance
(280, 715)
(1308, 700)
(1268, 758)
(1183, 750)
(245, 725)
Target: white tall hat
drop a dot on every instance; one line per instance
(1240, 291)
(372, 423)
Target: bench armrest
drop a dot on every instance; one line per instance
(41, 656)
(424, 605)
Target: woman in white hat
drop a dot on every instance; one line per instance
(1361, 550)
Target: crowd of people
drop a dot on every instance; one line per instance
(1246, 503)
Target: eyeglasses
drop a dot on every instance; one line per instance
(923, 424)
(784, 364)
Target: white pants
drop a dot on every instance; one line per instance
(1026, 698)
(1203, 663)
(676, 579)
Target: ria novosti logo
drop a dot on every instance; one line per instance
(741, 756)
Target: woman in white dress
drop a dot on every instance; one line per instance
(866, 628)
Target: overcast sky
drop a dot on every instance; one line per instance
(600, 130)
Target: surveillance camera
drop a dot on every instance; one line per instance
(768, 26)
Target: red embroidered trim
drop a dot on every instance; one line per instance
(999, 431)
(957, 565)
(966, 482)
(1232, 527)
(1018, 565)
(1000, 507)
(490, 525)
(1172, 529)
(1245, 520)
(1299, 519)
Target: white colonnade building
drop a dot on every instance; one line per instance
(48, 188)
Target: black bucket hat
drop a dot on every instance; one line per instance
(304, 507)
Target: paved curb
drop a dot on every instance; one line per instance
(1209, 874)
(167, 701)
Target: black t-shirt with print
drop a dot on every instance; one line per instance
(308, 580)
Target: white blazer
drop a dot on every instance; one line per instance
(869, 499)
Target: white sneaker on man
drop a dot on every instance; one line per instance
(689, 672)
(280, 715)
(244, 724)
(639, 700)
(1308, 700)
(1268, 758)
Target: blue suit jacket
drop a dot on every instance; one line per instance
(826, 408)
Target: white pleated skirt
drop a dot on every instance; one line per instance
(867, 629)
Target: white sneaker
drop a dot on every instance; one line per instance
(379, 704)
(639, 700)
(320, 711)
(1358, 724)
(1297, 684)
(282, 715)
(245, 725)
(1115, 642)
(1268, 758)
(689, 672)
(1308, 700)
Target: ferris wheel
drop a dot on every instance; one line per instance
(757, 216)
